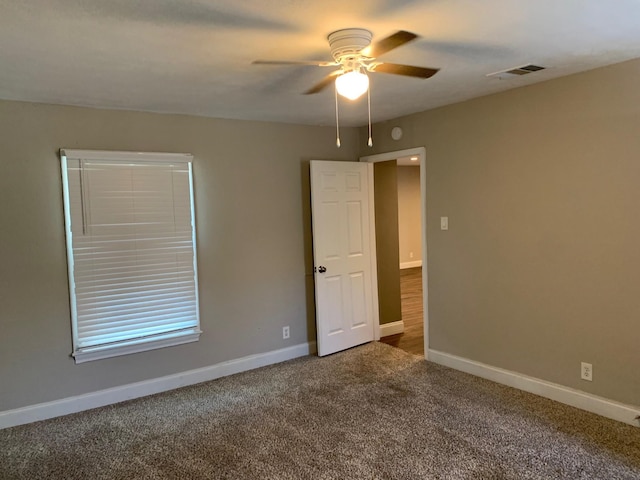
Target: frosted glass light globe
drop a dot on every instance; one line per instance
(352, 85)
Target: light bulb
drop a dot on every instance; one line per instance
(352, 85)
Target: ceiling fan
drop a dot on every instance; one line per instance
(355, 56)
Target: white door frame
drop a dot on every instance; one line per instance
(421, 153)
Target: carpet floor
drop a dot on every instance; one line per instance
(372, 412)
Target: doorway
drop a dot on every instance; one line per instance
(413, 279)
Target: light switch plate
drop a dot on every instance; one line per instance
(444, 223)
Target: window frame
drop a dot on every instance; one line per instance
(140, 344)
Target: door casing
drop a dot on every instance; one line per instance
(421, 153)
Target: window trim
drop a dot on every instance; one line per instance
(140, 344)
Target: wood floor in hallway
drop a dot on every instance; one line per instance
(412, 340)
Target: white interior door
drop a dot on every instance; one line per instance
(343, 251)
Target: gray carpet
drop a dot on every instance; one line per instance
(373, 412)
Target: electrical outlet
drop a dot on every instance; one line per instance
(285, 332)
(410, 254)
(586, 371)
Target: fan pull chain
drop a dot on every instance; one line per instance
(337, 121)
(370, 142)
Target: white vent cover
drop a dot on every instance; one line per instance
(516, 71)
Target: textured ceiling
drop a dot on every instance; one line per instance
(194, 56)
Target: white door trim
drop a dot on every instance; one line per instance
(373, 257)
(421, 153)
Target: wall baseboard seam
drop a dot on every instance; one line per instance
(569, 396)
(416, 263)
(391, 328)
(79, 403)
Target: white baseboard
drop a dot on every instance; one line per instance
(417, 263)
(569, 396)
(78, 403)
(392, 328)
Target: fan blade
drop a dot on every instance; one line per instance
(407, 70)
(324, 83)
(317, 63)
(387, 44)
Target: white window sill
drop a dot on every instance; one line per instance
(90, 354)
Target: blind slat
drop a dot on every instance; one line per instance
(115, 338)
(127, 293)
(118, 324)
(183, 310)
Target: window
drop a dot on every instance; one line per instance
(131, 251)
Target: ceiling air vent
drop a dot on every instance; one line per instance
(517, 71)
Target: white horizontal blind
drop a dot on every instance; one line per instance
(131, 240)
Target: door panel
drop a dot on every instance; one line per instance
(354, 217)
(335, 319)
(359, 299)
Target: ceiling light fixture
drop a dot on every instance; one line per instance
(414, 159)
(352, 85)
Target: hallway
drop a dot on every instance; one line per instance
(412, 339)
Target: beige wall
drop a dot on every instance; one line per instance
(409, 214)
(540, 267)
(253, 239)
(386, 216)
(539, 270)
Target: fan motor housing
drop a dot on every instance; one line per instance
(347, 43)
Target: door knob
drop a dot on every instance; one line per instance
(322, 269)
